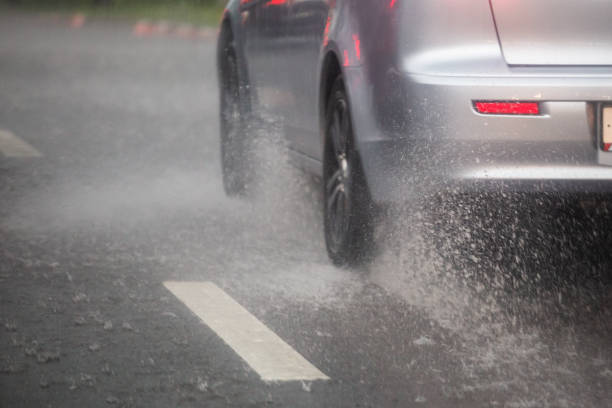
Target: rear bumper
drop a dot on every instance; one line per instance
(394, 176)
(442, 142)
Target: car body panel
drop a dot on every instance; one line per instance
(555, 32)
(412, 70)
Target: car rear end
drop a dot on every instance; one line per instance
(501, 94)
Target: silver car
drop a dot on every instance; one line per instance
(383, 97)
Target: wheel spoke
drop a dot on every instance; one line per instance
(344, 124)
(333, 197)
(337, 137)
(335, 178)
(344, 128)
(340, 215)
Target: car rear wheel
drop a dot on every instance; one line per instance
(234, 120)
(347, 204)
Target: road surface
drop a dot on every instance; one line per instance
(127, 278)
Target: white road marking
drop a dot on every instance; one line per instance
(262, 349)
(540, 173)
(12, 146)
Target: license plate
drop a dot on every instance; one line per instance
(606, 128)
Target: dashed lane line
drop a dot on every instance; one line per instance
(265, 352)
(12, 146)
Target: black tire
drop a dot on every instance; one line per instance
(234, 116)
(347, 203)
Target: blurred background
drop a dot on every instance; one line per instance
(204, 12)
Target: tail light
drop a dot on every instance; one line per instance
(507, 108)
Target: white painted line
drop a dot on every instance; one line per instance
(262, 349)
(540, 173)
(12, 146)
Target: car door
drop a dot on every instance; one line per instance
(250, 22)
(266, 45)
(305, 29)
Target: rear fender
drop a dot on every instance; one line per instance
(360, 35)
(350, 39)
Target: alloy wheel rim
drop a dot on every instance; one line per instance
(339, 182)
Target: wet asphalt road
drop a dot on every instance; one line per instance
(127, 195)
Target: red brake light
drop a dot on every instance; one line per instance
(275, 3)
(507, 108)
